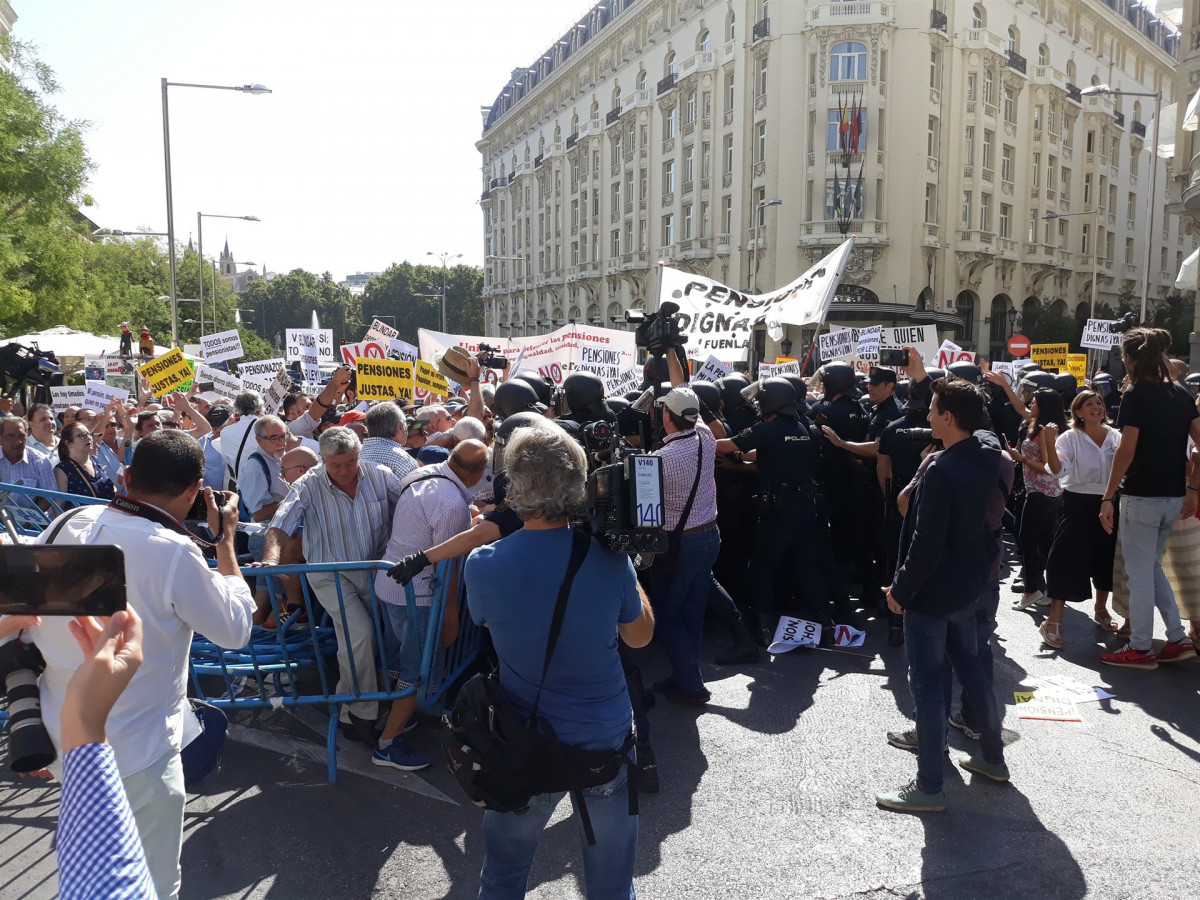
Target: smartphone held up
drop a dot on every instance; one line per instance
(61, 580)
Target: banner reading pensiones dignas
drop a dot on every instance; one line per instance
(605, 352)
(719, 319)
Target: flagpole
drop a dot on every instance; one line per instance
(825, 313)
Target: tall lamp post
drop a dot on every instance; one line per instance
(1095, 242)
(200, 217)
(525, 307)
(445, 258)
(1151, 200)
(245, 89)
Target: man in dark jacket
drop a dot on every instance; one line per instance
(947, 551)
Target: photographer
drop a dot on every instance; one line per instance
(176, 594)
(511, 588)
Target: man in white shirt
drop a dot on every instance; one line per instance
(174, 591)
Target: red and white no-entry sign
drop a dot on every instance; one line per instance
(1018, 345)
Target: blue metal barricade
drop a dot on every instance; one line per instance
(28, 517)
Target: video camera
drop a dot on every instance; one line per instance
(1123, 324)
(921, 437)
(19, 363)
(624, 506)
(659, 331)
(491, 358)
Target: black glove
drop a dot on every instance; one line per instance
(409, 568)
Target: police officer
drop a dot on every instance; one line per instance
(842, 473)
(516, 396)
(791, 531)
(583, 396)
(541, 387)
(738, 412)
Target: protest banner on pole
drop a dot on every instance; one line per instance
(1099, 335)
(712, 370)
(94, 368)
(170, 372)
(837, 344)
(1051, 357)
(222, 346)
(381, 331)
(321, 338)
(384, 379)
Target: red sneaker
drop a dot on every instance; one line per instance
(1129, 658)
(1175, 651)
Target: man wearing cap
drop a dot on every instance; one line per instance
(356, 421)
(679, 586)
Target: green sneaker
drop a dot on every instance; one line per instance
(910, 798)
(980, 766)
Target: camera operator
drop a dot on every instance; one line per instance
(511, 589)
(175, 593)
(583, 397)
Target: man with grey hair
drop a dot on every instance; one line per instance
(261, 484)
(236, 436)
(512, 587)
(386, 433)
(346, 507)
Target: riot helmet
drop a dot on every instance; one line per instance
(1065, 384)
(584, 395)
(709, 394)
(516, 396)
(777, 396)
(540, 385)
(504, 432)
(836, 378)
(967, 371)
(731, 391)
(799, 385)
(1192, 383)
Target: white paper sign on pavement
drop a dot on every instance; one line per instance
(222, 346)
(791, 633)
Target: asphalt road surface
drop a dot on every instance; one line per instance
(768, 792)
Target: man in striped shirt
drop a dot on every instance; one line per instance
(346, 506)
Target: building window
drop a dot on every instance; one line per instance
(760, 142)
(969, 141)
(616, 196)
(689, 164)
(727, 214)
(729, 96)
(848, 62)
(669, 178)
(668, 229)
(1085, 237)
(978, 17)
(727, 155)
(989, 87)
(972, 85)
(934, 68)
(670, 119)
(985, 212)
(687, 222)
(1043, 55)
(1090, 143)
(1087, 188)
(614, 249)
(1037, 170)
(691, 108)
(760, 78)
(729, 26)
(966, 210)
(706, 105)
(1131, 207)
(1006, 163)
(669, 66)
(1010, 105)
(705, 160)
(704, 219)
(574, 213)
(1052, 173)
(1005, 220)
(629, 236)
(931, 138)
(703, 44)
(988, 139)
(843, 199)
(1013, 44)
(1037, 118)
(641, 80)
(931, 203)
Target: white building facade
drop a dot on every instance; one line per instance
(742, 139)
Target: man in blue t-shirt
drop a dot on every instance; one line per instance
(512, 587)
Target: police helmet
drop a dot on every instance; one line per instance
(837, 378)
(799, 385)
(1038, 380)
(505, 429)
(777, 396)
(1102, 384)
(584, 393)
(920, 399)
(540, 385)
(516, 396)
(967, 371)
(616, 404)
(709, 394)
(901, 392)
(1065, 384)
(731, 391)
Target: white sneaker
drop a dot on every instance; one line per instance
(1043, 600)
(1028, 600)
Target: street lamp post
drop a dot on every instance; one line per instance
(1104, 89)
(1095, 241)
(525, 307)
(758, 215)
(200, 216)
(445, 258)
(245, 89)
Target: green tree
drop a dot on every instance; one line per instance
(397, 292)
(43, 172)
(288, 301)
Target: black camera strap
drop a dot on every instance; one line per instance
(581, 543)
(681, 525)
(158, 517)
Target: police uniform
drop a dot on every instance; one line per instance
(843, 475)
(872, 528)
(736, 515)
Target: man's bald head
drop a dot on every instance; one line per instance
(296, 462)
(469, 461)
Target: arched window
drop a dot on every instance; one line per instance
(616, 96)
(1013, 44)
(669, 67)
(978, 16)
(641, 80)
(729, 23)
(964, 305)
(999, 316)
(526, 153)
(595, 109)
(703, 43)
(1071, 71)
(848, 62)
(1137, 110)
(1043, 55)
(557, 133)
(574, 123)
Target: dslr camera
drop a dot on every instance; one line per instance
(491, 358)
(659, 331)
(921, 437)
(29, 746)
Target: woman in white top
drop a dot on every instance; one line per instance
(1082, 552)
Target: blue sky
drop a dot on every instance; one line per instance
(364, 154)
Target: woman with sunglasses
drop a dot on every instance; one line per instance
(76, 471)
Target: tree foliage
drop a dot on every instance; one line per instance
(396, 291)
(288, 301)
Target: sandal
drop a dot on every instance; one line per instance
(1125, 631)
(1052, 634)
(1105, 621)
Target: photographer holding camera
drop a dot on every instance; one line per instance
(175, 593)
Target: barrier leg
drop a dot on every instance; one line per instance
(331, 742)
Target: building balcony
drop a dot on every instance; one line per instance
(1074, 93)
(761, 30)
(830, 232)
(1007, 248)
(982, 39)
(612, 116)
(638, 100)
(1015, 61)
(1139, 128)
(667, 83)
(1049, 75)
(703, 61)
(865, 12)
(937, 20)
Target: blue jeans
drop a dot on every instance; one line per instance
(1146, 523)
(510, 841)
(403, 642)
(929, 641)
(679, 600)
(985, 627)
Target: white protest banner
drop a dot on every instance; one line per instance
(222, 346)
(321, 338)
(846, 636)
(712, 370)
(310, 364)
(273, 395)
(94, 368)
(866, 343)
(365, 350)
(629, 380)
(1005, 369)
(950, 353)
(765, 371)
(605, 352)
(381, 331)
(837, 344)
(791, 633)
(922, 337)
(62, 397)
(719, 319)
(788, 367)
(261, 369)
(404, 351)
(221, 383)
(1098, 335)
(97, 395)
(1046, 705)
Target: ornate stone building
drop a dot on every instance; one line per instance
(742, 139)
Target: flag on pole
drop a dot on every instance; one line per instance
(837, 195)
(857, 191)
(854, 125)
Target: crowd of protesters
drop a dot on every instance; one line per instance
(846, 498)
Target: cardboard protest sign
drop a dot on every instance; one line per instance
(261, 369)
(629, 380)
(791, 633)
(788, 367)
(712, 370)
(866, 343)
(364, 350)
(170, 372)
(384, 379)
(604, 352)
(381, 331)
(427, 378)
(321, 338)
(127, 383)
(1051, 357)
(1098, 334)
(1077, 366)
(1046, 705)
(273, 395)
(922, 337)
(310, 364)
(403, 350)
(847, 636)
(222, 346)
(950, 353)
(765, 371)
(94, 368)
(837, 344)
(222, 383)
(1005, 369)
(97, 395)
(62, 397)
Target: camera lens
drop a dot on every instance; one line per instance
(29, 746)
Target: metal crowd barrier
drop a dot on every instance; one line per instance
(27, 517)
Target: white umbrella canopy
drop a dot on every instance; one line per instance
(70, 346)
(1186, 279)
